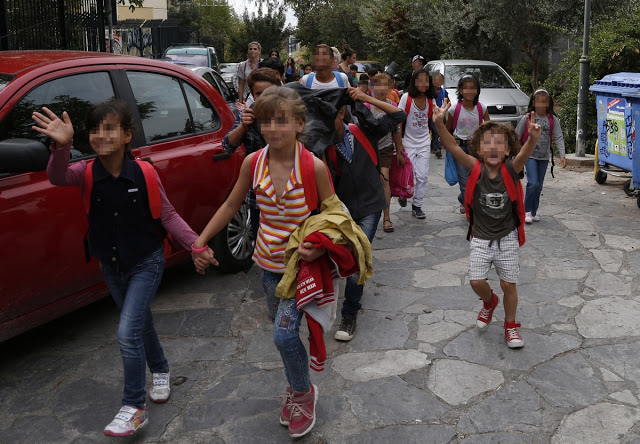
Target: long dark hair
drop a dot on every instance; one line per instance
(118, 108)
(468, 78)
(532, 101)
(347, 52)
(414, 91)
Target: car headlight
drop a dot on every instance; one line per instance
(522, 109)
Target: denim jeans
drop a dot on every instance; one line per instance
(353, 291)
(536, 170)
(463, 176)
(133, 291)
(286, 334)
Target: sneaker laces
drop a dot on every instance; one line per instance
(297, 410)
(484, 313)
(512, 333)
(287, 398)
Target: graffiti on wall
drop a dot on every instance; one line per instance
(136, 42)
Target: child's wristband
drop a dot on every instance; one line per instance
(198, 250)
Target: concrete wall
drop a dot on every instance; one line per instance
(152, 9)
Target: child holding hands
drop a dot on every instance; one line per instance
(496, 216)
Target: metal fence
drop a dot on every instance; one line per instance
(52, 24)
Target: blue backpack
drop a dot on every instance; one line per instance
(313, 76)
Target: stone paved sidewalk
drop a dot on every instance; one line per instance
(416, 372)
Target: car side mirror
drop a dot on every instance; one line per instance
(22, 156)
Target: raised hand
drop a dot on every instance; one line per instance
(60, 131)
(439, 113)
(357, 95)
(247, 117)
(534, 129)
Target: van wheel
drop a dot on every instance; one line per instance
(234, 244)
(601, 177)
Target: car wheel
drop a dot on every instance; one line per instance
(234, 244)
(601, 177)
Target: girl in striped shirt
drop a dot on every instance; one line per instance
(277, 180)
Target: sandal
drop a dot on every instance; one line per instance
(388, 228)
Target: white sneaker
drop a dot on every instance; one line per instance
(536, 218)
(128, 420)
(161, 389)
(528, 218)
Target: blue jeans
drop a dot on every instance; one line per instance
(353, 291)
(463, 176)
(536, 170)
(286, 333)
(133, 291)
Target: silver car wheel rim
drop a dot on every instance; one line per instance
(239, 236)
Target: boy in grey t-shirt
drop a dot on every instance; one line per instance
(495, 237)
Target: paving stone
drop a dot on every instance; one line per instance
(607, 284)
(458, 267)
(214, 414)
(389, 299)
(610, 260)
(34, 428)
(185, 349)
(551, 272)
(489, 348)
(549, 290)
(263, 429)
(452, 298)
(624, 396)
(172, 302)
(392, 331)
(223, 388)
(513, 408)
(567, 381)
(25, 403)
(499, 438)
(392, 401)
(376, 365)
(600, 423)
(571, 301)
(625, 243)
(609, 376)
(439, 331)
(427, 278)
(588, 239)
(81, 394)
(424, 434)
(456, 382)
(394, 254)
(578, 225)
(263, 385)
(39, 372)
(563, 327)
(394, 279)
(622, 359)
(609, 317)
(203, 322)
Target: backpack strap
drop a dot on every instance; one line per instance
(430, 112)
(516, 196)
(87, 186)
(480, 113)
(153, 188)
(308, 177)
(339, 79)
(332, 158)
(365, 142)
(456, 114)
(468, 195)
(407, 107)
(310, 78)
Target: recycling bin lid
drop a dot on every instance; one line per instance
(624, 83)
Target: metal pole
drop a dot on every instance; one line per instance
(108, 5)
(583, 90)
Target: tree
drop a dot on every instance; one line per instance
(266, 26)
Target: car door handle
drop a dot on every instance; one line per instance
(221, 156)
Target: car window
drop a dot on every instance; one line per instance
(226, 91)
(490, 76)
(161, 105)
(205, 117)
(209, 78)
(74, 94)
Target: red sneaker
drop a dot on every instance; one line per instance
(303, 412)
(285, 415)
(486, 313)
(511, 333)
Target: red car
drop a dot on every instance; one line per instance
(181, 120)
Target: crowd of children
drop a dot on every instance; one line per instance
(330, 203)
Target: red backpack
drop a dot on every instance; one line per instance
(456, 114)
(306, 171)
(516, 195)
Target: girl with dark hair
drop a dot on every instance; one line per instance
(274, 54)
(126, 219)
(348, 57)
(289, 69)
(418, 102)
(464, 118)
(536, 166)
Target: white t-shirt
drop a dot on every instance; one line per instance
(416, 133)
(332, 84)
(468, 121)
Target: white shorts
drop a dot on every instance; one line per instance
(503, 254)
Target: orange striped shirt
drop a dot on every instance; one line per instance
(278, 217)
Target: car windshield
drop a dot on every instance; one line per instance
(193, 59)
(490, 76)
(229, 68)
(5, 79)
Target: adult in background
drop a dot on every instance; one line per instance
(348, 57)
(417, 62)
(245, 68)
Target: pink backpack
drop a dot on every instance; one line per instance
(401, 178)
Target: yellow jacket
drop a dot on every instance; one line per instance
(334, 222)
